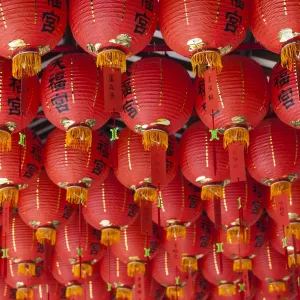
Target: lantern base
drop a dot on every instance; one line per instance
(291, 260)
(189, 264)
(74, 290)
(46, 233)
(204, 58)
(293, 229)
(26, 64)
(281, 187)
(112, 58)
(135, 267)
(110, 236)
(236, 134)
(24, 293)
(173, 292)
(146, 194)
(79, 137)
(227, 290)
(176, 231)
(86, 270)
(289, 53)
(277, 287)
(235, 235)
(212, 192)
(5, 140)
(9, 194)
(26, 269)
(155, 138)
(77, 195)
(123, 293)
(244, 264)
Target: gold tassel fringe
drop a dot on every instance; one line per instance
(227, 290)
(235, 235)
(77, 195)
(202, 59)
(112, 58)
(189, 263)
(26, 64)
(46, 233)
(288, 54)
(281, 187)
(26, 269)
(291, 260)
(293, 229)
(176, 231)
(123, 293)
(244, 264)
(5, 140)
(236, 134)
(10, 194)
(277, 287)
(86, 270)
(135, 267)
(79, 137)
(110, 236)
(173, 292)
(155, 138)
(24, 294)
(74, 290)
(146, 194)
(212, 192)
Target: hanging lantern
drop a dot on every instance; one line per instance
(275, 25)
(95, 287)
(198, 164)
(243, 103)
(204, 32)
(110, 208)
(180, 205)
(29, 31)
(75, 170)
(72, 98)
(79, 244)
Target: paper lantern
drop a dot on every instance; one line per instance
(76, 170)
(204, 32)
(275, 25)
(30, 30)
(110, 208)
(197, 161)
(201, 287)
(72, 98)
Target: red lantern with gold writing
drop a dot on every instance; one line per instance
(29, 30)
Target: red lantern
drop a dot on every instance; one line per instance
(275, 25)
(79, 244)
(204, 32)
(180, 205)
(197, 161)
(72, 98)
(110, 207)
(201, 287)
(76, 170)
(30, 30)
(96, 287)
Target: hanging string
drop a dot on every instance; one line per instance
(214, 145)
(176, 273)
(80, 232)
(158, 211)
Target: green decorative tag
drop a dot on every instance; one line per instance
(147, 252)
(242, 287)
(284, 242)
(219, 247)
(214, 134)
(4, 253)
(109, 287)
(79, 251)
(114, 134)
(159, 204)
(22, 139)
(177, 280)
(239, 202)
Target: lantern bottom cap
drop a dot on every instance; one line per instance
(77, 195)
(26, 64)
(74, 290)
(189, 264)
(24, 293)
(123, 293)
(46, 233)
(9, 194)
(212, 192)
(293, 229)
(289, 53)
(277, 287)
(236, 134)
(173, 292)
(113, 58)
(26, 269)
(281, 187)
(5, 140)
(228, 289)
(146, 193)
(155, 138)
(237, 235)
(79, 137)
(82, 270)
(135, 267)
(243, 264)
(110, 236)
(291, 260)
(176, 231)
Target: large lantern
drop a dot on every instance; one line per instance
(72, 98)
(74, 169)
(30, 30)
(204, 32)
(275, 25)
(110, 208)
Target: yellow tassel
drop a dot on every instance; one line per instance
(277, 287)
(189, 263)
(291, 260)
(79, 137)
(293, 229)
(146, 194)
(176, 231)
(46, 233)
(227, 290)
(112, 58)
(236, 134)
(10, 194)
(110, 236)
(123, 293)
(86, 270)
(206, 58)
(77, 195)
(236, 236)
(5, 140)
(212, 192)
(24, 294)
(281, 187)
(173, 292)
(73, 291)
(288, 55)
(26, 64)
(135, 267)
(155, 138)
(244, 264)
(26, 269)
